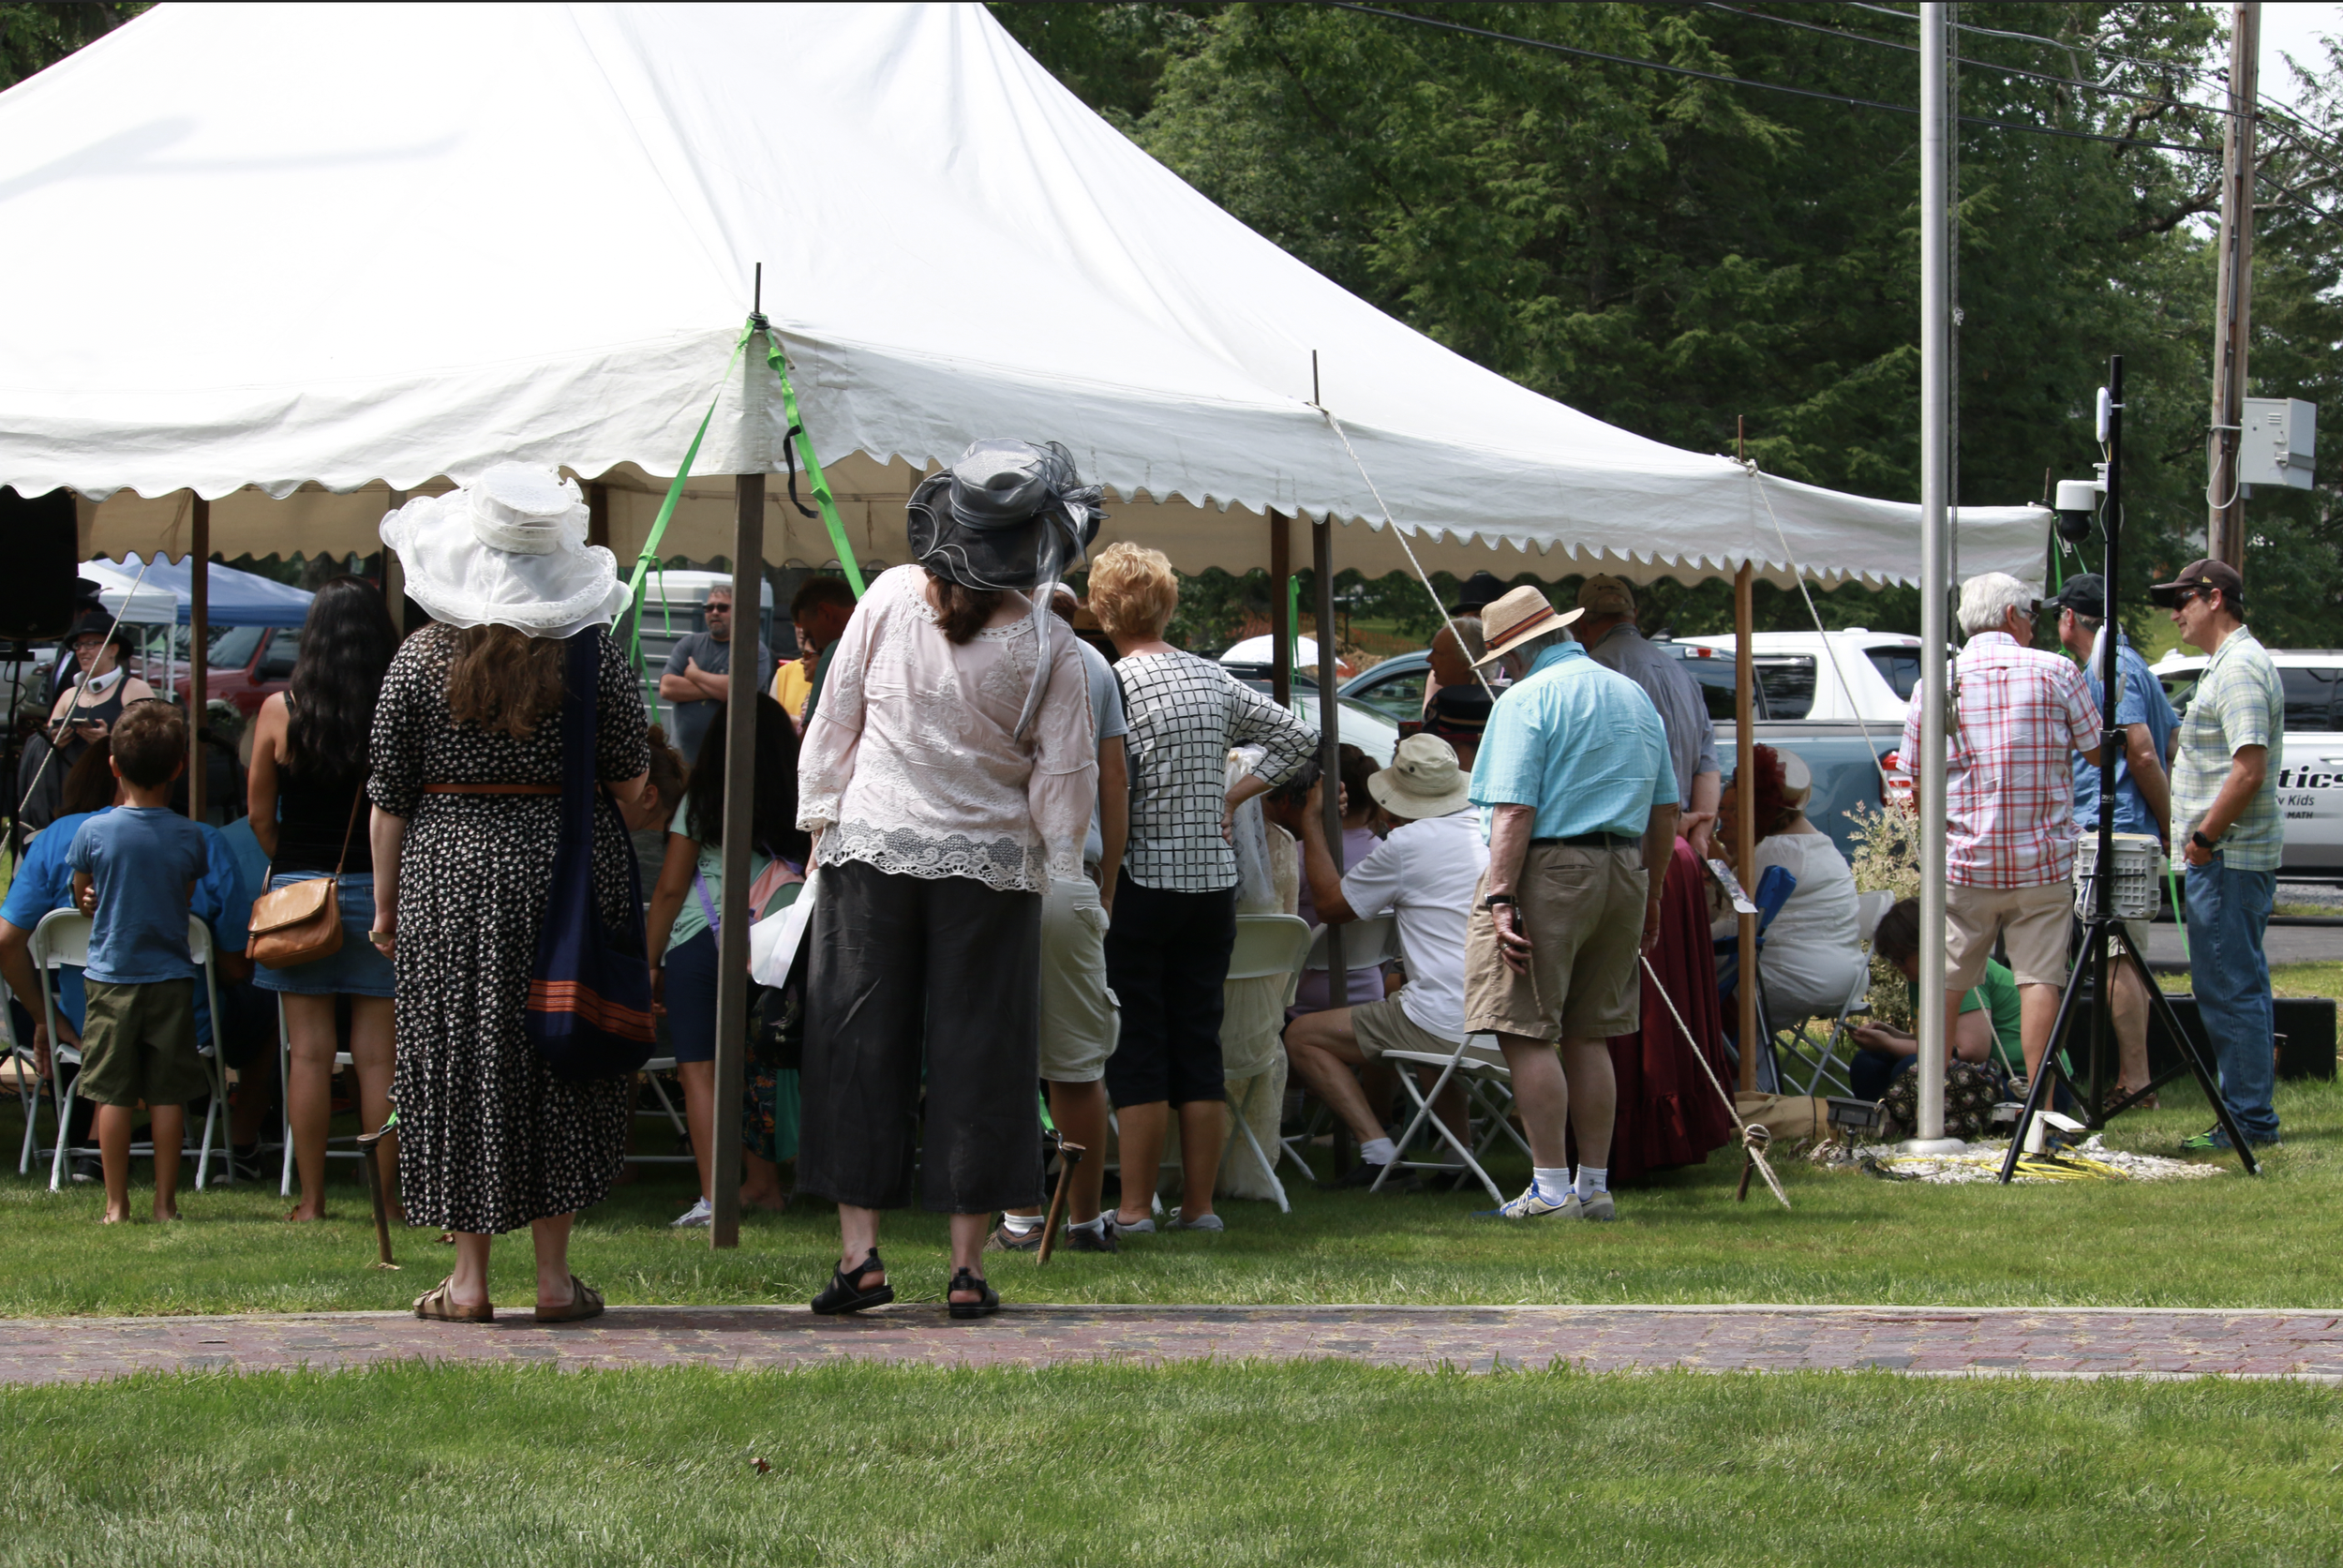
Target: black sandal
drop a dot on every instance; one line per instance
(845, 1291)
(969, 1280)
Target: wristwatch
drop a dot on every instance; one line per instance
(2196, 836)
(1494, 899)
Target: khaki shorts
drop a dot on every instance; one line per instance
(2033, 922)
(1381, 1027)
(1079, 1020)
(137, 1044)
(1583, 909)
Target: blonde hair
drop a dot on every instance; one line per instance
(1133, 591)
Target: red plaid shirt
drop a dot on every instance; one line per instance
(2010, 782)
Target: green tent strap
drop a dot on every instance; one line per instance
(647, 561)
(820, 486)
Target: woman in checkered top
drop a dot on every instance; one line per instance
(1174, 905)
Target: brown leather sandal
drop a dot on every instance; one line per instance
(584, 1301)
(438, 1305)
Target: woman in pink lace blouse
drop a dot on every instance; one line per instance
(947, 770)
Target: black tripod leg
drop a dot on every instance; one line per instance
(2037, 1092)
(2159, 1006)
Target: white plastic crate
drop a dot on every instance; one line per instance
(2138, 870)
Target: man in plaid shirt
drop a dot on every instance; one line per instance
(2018, 716)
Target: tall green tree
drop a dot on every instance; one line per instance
(1692, 260)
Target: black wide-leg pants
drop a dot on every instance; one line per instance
(915, 979)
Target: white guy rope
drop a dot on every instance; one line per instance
(1830, 649)
(1754, 1137)
(1400, 534)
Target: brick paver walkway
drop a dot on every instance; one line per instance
(1963, 1341)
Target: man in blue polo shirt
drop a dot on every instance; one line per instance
(1579, 798)
(2143, 792)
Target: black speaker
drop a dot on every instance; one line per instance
(41, 536)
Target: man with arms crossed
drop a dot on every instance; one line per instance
(2225, 803)
(699, 673)
(1580, 796)
(1426, 872)
(2020, 714)
(2143, 800)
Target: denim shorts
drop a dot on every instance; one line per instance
(357, 968)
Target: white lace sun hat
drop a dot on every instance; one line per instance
(508, 550)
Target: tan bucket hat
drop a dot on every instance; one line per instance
(1604, 594)
(1421, 781)
(1516, 618)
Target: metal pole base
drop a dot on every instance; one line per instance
(1933, 1146)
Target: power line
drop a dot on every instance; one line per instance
(1748, 82)
(1965, 60)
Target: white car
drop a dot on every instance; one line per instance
(2311, 762)
(1856, 674)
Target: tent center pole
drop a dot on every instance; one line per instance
(739, 823)
(1745, 810)
(198, 616)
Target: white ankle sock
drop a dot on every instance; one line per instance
(1022, 1224)
(1553, 1184)
(1593, 1181)
(1379, 1151)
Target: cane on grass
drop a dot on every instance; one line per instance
(1069, 1155)
(369, 1162)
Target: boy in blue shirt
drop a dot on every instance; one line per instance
(134, 873)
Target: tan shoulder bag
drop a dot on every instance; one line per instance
(302, 922)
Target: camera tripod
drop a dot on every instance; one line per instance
(2096, 970)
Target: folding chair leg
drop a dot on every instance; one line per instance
(65, 1120)
(284, 1098)
(1252, 1142)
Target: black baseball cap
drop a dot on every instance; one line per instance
(2086, 593)
(1480, 591)
(2200, 574)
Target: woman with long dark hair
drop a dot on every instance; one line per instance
(468, 802)
(683, 923)
(306, 795)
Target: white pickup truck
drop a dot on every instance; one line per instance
(2310, 766)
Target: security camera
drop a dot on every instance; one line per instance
(2077, 503)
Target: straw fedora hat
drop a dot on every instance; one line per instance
(1520, 615)
(508, 550)
(1421, 781)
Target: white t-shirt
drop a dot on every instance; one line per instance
(1426, 873)
(1814, 949)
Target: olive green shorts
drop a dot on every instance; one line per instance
(137, 1044)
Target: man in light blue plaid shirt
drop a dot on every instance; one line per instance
(2225, 803)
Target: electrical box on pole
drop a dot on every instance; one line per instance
(2279, 439)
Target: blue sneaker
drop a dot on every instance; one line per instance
(1530, 1207)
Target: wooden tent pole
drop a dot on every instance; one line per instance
(1745, 815)
(1330, 739)
(732, 942)
(198, 616)
(1281, 609)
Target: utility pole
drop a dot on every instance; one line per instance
(2232, 317)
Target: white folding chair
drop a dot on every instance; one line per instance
(1824, 1061)
(1487, 1084)
(62, 941)
(1267, 946)
(667, 1108)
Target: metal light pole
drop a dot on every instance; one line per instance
(1934, 568)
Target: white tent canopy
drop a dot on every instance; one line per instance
(383, 246)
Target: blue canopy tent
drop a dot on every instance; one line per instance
(236, 598)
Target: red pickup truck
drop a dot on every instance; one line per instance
(247, 664)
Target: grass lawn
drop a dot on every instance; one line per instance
(1228, 1463)
(1849, 1238)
